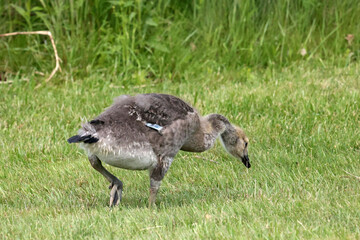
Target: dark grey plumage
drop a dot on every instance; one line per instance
(121, 136)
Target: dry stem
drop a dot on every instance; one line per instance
(202, 158)
(357, 177)
(57, 59)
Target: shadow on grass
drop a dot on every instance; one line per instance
(170, 199)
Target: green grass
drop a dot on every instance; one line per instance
(165, 37)
(302, 121)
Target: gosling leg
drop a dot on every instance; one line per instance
(156, 176)
(116, 185)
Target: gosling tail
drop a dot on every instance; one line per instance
(86, 134)
(83, 138)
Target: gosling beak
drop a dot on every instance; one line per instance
(246, 161)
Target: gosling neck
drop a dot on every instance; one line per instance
(219, 124)
(210, 127)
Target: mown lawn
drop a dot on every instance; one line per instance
(304, 128)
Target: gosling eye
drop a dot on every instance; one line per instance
(246, 144)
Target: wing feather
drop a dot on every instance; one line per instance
(161, 109)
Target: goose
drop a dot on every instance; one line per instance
(146, 131)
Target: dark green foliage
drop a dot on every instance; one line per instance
(162, 38)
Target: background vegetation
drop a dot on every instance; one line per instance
(286, 71)
(165, 37)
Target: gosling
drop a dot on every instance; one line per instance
(146, 131)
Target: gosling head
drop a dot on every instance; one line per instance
(236, 143)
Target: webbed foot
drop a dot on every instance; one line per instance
(115, 193)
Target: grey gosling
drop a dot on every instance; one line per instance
(146, 131)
